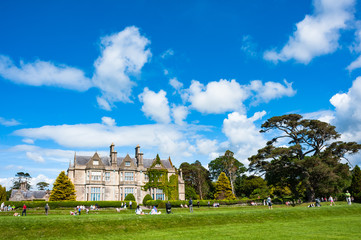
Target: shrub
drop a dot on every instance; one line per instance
(146, 198)
(129, 197)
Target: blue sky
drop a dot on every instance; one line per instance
(185, 79)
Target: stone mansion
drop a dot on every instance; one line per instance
(111, 178)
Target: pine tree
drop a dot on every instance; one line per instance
(223, 188)
(63, 189)
(355, 187)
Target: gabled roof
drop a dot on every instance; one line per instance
(83, 160)
(29, 194)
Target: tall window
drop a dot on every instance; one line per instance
(128, 190)
(87, 175)
(107, 176)
(96, 175)
(159, 194)
(95, 194)
(129, 176)
(146, 178)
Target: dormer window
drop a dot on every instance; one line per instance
(127, 164)
(95, 162)
(157, 166)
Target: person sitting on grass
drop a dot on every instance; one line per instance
(138, 211)
(155, 211)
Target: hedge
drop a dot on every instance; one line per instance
(69, 204)
(177, 203)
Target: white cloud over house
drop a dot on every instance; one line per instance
(217, 97)
(317, 34)
(155, 105)
(123, 54)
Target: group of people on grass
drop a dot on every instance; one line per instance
(5, 208)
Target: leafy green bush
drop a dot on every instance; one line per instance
(146, 198)
(129, 197)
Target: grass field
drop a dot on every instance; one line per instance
(336, 222)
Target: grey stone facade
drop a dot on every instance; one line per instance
(111, 178)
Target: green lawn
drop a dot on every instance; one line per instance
(337, 222)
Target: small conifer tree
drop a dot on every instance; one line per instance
(63, 189)
(223, 188)
(2, 193)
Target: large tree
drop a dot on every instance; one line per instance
(311, 159)
(227, 164)
(63, 189)
(21, 177)
(223, 188)
(42, 185)
(197, 177)
(248, 184)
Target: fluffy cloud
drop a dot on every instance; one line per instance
(356, 48)
(179, 114)
(8, 123)
(175, 84)
(316, 34)
(243, 134)
(155, 105)
(217, 97)
(122, 54)
(271, 90)
(348, 112)
(40, 73)
(207, 146)
(108, 121)
(225, 96)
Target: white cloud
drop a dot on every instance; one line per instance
(324, 116)
(176, 84)
(28, 141)
(167, 53)
(271, 90)
(40, 73)
(316, 34)
(8, 123)
(41, 178)
(243, 134)
(155, 105)
(179, 114)
(348, 112)
(217, 97)
(248, 46)
(108, 121)
(35, 156)
(207, 146)
(8, 182)
(355, 64)
(122, 54)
